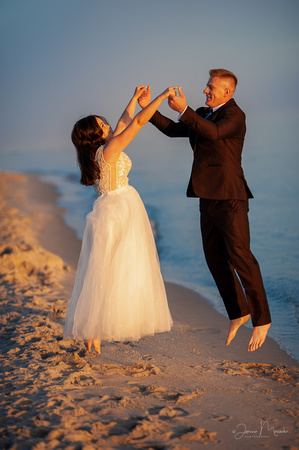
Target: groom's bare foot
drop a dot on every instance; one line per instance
(258, 337)
(234, 325)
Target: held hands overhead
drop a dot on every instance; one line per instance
(139, 91)
(175, 102)
(145, 97)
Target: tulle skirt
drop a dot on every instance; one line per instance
(119, 292)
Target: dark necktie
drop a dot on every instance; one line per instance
(210, 112)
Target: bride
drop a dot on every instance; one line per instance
(118, 292)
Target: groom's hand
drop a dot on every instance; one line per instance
(145, 97)
(177, 103)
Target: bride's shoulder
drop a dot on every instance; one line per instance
(99, 153)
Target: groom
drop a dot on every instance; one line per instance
(216, 135)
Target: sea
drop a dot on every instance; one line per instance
(160, 173)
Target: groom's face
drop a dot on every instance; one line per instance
(215, 92)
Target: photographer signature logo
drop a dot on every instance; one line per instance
(264, 431)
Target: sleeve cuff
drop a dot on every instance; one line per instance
(180, 115)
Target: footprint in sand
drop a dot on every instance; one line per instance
(220, 418)
(152, 390)
(148, 357)
(206, 330)
(164, 394)
(278, 372)
(168, 412)
(137, 428)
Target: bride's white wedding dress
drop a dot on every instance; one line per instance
(118, 292)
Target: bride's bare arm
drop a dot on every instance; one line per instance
(128, 114)
(121, 141)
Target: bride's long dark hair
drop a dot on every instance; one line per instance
(87, 138)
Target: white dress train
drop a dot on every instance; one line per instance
(119, 292)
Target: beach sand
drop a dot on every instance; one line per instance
(177, 390)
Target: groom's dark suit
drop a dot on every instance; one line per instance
(218, 179)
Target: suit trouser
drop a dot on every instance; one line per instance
(226, 243)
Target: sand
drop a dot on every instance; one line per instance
(178, 390)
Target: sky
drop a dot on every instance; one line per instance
(62, 59)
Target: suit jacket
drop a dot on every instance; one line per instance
(217, 144)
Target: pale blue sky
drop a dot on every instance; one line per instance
(61, 59)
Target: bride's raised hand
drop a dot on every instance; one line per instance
(145, 97)
(169, 92)
(139, 91)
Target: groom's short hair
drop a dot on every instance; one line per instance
(223, 73)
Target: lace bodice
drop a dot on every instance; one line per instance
(114, 176)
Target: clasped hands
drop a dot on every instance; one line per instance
(177, 102)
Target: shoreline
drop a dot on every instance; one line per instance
(172, 389)
(284, 328)
(75, 245)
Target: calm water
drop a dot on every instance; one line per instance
(160, 173)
